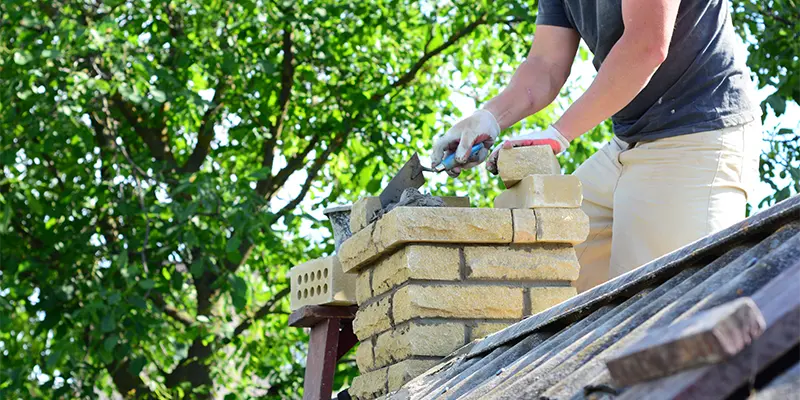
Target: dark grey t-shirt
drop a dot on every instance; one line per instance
(703, 84)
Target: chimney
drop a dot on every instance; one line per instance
(432, 279)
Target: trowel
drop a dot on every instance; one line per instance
(410, 175)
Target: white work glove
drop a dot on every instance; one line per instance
(548, 137)
(479, 127)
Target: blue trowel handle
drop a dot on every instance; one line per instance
(450, 161)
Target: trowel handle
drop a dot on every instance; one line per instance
(450, 161)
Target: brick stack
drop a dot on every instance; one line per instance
(431, 280)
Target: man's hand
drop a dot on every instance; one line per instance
(480, 127)
(548, 137)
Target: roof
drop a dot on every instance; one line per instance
(560, 353)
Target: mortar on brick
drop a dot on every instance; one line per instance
(542, 298)
(530, 262)
(561, 225)
(373, 318)
(404, 371)
(417, 339)
(415, 262)
(441, 225)
(457, 301)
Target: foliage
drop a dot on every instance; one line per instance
(771, 30)
(163, 162)
(155, 154)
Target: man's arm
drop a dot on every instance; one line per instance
(628, 67)
(539, 78)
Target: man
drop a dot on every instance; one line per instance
(672, 76)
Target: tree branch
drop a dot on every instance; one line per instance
(287, 82)
(205, 134)
(412, 72)
(335, 145)
(267, 187)
(267, 308)
(128, 384)
(174, 313)
(152, 138)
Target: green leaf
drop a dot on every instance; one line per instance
(110, 342)
(108, 323)
(238, 292)
(22, 58)
(158, 95)
(146, 284)
(136, 365)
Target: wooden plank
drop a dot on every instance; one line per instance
(708, 337)
(309, 316)
(347, 339)
(755, 227)
(323, 352)
(780, 306)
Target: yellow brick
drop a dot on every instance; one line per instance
(405, 371)
(372, 319)
(416, 339)
(443, 225)
(543, 298)
(370, 385)
(452, 301)
(561, 225)
(425, 225)
(321, 282)
(363, 289)
(524, 226)
(364, 356)
(483, 329)
(415, 262)
(542, 191)
(363, 210)
(517, 163)
(542, 262)
(358, 249)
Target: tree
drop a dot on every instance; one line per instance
(154, 157)
(162, 160)
(771, 30)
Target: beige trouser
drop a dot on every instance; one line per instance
(646, 200)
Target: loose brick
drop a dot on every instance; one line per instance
(405, 371)
(542, 262)
(483, 329)
(363, 288)
(515, 164)
(364, 356)
(561, 225)
(543, 298)
(416, 339)
(524, 226)
(455, 201)
(415, 262)
(363, 211)
(425, 225)
(452, 301)
(372, 319)
(321, 282)
(542, 191)
(370, 385)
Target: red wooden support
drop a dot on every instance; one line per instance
(330, 338)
